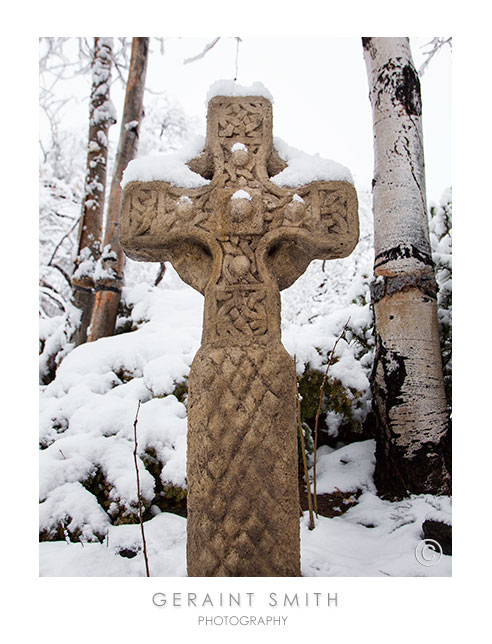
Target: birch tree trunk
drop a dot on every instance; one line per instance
(412, 453)
(101, 117)
(109, 272)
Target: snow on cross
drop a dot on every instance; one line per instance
(239, 238)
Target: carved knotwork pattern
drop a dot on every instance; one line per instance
(333, 211)
(146, 206)
(242, 176)
(240, 296)
(143, 210)
(149, 210)
(240, 120)
(239, 264)
(241, 312)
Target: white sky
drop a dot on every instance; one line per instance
(321, 95)
(320, 91)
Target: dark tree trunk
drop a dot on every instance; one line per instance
(101, 117)
(109, 276)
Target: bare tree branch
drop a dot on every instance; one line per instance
(67, 234)
(63, 272)
(206, 49)
(435, 45)
(50, 292)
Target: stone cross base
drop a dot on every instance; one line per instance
(243, 500)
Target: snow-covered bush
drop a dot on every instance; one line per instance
(87, 414)
(441, 235)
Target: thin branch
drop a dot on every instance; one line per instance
(206, 49)
(151, 91)
(138, 493)
(160, 41)
(117, 68)
(44, 152)
(59, 214)
(160, 274)
(436, 44)
(238, 40)
(67, 234)
(304, 461)
(45, 290)
(64, 273)
(316, 422)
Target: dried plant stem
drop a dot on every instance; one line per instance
(316, 422)
(304, 461)
(138, 493)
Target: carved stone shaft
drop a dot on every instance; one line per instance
(239, 240)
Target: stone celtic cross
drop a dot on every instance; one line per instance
(239, 240)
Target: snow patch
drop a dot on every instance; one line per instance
(231, 88)
(348, 469)
(303, 168)
(171, 168)
(241, 194)
(165, 536)
(374, 538)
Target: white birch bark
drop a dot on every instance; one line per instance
(409, 398)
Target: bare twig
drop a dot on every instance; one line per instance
(138, 492)
(160, 274)
(67, 234)
(205, 50)
(48, 292)
(304, 461)
(118, 69)
(238, 40)
(316, 422)
(63, 272)
(435, 45)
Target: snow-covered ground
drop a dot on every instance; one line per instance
(374, 538)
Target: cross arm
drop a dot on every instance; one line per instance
(317, 221)
(161, 222)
